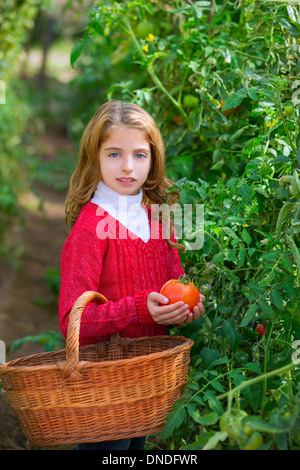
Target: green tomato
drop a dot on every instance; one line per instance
(254, 442)
(289, 111)
(232, 423)
(145, 28)
(190, 101)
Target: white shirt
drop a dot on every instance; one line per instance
(126, 209)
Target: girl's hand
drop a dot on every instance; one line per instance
(166, 314)
(197, 311)
(172, 314)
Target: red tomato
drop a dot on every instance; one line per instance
(261, 330)
(175, 290)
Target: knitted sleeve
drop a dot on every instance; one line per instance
(81, 266)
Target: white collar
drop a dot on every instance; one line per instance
(126, 209)
(103, 195)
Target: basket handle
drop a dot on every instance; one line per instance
(72, 367)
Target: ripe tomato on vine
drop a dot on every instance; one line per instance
(261, 329)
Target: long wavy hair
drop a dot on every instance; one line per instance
(87, 174)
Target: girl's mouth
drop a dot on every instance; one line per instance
(126, 181)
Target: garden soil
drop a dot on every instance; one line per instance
(41, 238)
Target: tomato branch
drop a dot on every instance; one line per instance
(150, 70)
(255, 380)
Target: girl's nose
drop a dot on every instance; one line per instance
(127, 164)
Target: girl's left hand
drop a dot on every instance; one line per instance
(197, 311)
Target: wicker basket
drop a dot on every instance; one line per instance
(116, 389)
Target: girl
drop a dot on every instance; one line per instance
(113, 246)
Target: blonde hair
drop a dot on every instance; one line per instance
(87, 174)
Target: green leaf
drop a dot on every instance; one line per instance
(252, 94)
(253, 367)
(230, 232)
(202, 193)
(241, 256)
(215, 439)
(238, 134)
(235, 99)
(229, 333)
(197, 119)
(209, 356)
(268, 93)
(276, 299)
(281, 440)
(194, 412)
(220, 361)
(277, 190)
(289, 289)
(246, 237)
(298, 154)
(232, 256)
(292, 29)
(214, 404)
(208, 419)
(175, 419)
(249, 315)
(147, 6)
(200, 441)
(245, 192)
(76, 51)
(96, 26)
(216, 384)
(266, 308)
(275, 425)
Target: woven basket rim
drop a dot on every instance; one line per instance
(13, 366)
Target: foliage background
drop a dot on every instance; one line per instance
(222, 81)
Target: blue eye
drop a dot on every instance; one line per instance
(113, 154)
(140, 155)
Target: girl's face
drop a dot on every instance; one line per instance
(125, 159)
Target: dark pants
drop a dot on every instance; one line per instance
(135, 443)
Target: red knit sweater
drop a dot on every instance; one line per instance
(124, 270)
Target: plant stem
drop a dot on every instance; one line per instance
(250, 56)
(157, 81)
(255, 380)
(266, 351)
(284, 124)
(182, 85)
(155, 78)
(210, 236)
(222, 249)
(289, 381)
